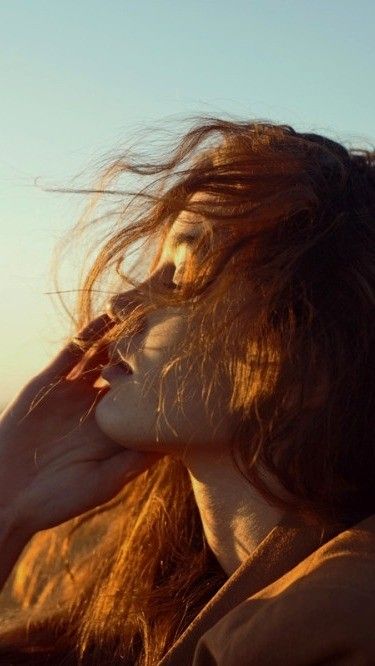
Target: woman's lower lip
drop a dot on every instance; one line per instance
(111, 372)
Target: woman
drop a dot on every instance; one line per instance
(207, 496)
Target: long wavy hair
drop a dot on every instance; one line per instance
(295, 273)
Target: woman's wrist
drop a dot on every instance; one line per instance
(13, 539)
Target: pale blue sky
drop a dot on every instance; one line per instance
(79, 77)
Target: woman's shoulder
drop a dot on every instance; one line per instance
(321, 611)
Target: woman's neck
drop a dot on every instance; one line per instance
(235, 517)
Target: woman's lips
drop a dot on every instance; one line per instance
(117, 371)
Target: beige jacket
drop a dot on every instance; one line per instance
(303, 598)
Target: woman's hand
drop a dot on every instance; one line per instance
(55, 462)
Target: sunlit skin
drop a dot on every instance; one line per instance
(235, 517)
(127, 413)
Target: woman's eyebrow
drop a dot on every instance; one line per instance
(177, 239)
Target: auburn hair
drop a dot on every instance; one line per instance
(295, 272)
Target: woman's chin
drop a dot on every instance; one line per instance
(111, 424)
(107, 422)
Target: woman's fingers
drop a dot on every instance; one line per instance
(73, 352)
(121, 468)
(90, 365)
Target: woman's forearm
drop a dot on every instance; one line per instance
(12, 542)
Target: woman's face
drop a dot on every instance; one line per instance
(129, 411)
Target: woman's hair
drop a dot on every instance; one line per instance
(289, 290)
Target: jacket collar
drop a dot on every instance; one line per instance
(283, 548)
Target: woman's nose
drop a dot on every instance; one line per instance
(120, 306)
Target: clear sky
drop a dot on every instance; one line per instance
(78, 77)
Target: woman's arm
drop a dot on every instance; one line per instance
(13, 539)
